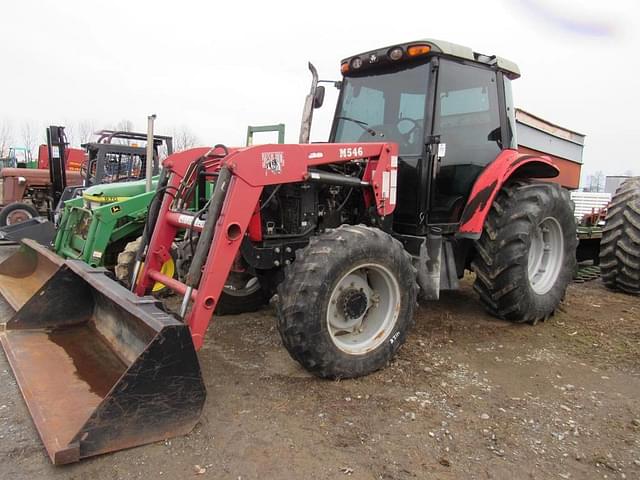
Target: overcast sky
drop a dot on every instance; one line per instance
(217, 67)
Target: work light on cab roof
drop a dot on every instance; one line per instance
(412, 51)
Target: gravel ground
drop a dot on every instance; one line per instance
(467, 397)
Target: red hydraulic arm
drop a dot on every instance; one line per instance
(242, 175)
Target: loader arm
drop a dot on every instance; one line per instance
(250, 170)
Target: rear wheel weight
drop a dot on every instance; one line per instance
(620, 245)
(347, 302)
(17, 212)
(525, 257)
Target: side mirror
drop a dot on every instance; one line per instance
(494, 135)
(318, 97)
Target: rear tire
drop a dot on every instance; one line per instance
(620, 246)
(347, 302)
(17, 212)
(526, 255)
(242, 293)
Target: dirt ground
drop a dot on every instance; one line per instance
(467, 397)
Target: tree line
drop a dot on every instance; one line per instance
(30, 134)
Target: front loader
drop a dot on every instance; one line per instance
(420, 181)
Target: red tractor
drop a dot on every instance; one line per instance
(420, 181)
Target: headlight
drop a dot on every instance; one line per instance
(395, 53)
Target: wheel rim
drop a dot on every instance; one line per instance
(169, 269)
(363, 308)
(241, 284)
(545, 255)
(18, 215)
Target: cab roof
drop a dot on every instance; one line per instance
(443, 48)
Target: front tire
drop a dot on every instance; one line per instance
(17, 212)
(526, 255)
(620, 246)
(347, 302)
(127, 260)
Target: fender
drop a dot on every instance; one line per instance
(509, 164)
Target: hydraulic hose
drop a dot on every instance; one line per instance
(206, 236)
(149, 224)
(154, 210)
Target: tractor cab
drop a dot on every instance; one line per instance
(450, 111)
(21, 157)
(118, 156)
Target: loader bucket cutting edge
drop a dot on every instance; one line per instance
(99, 368)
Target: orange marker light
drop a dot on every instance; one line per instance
(344, 68)
(417, 50)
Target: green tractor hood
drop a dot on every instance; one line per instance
(117, 192)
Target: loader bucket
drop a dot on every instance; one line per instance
(38, 228)
(26, 271)
(99, 368)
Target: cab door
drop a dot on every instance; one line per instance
(467, 121)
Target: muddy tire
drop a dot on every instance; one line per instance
(17, 212)
(126, 263)
(347, 302)
(526, 255)
(620, 245)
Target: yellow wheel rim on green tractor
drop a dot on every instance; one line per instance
(169, 269)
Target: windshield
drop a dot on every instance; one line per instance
(387, 106)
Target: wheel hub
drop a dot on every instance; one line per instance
(18, 216)
(353, 303)
(546, 253)
(362, 309)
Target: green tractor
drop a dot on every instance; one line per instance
(93, 225)
(102, 217)
(103, 228)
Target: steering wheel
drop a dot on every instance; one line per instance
(416, 124)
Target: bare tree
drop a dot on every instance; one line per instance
(183, 138)
(30, 137)
(595, 181)
(124, 126)
(6, 137)
(86, 128)
(70, 132)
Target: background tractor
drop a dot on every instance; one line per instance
(18, 157)
(113, 157)
(620, 246)
(28, 192)
(421, 180)
(100, 221)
